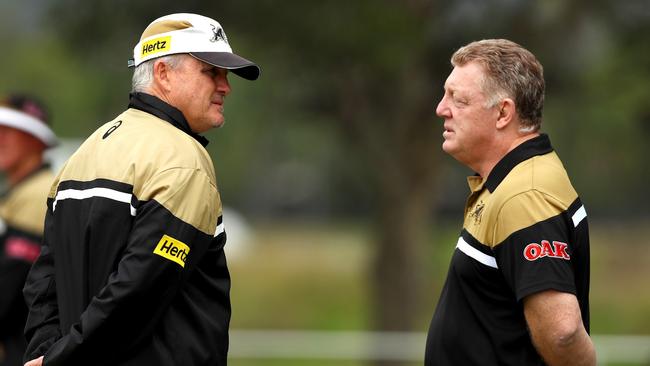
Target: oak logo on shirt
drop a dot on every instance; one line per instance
(172, 249)
(535, 251)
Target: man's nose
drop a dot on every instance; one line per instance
(442, 110)
(223, 85)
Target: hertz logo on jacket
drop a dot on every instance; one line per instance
(172, 249)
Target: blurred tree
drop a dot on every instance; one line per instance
(374, 70)
(370, 66)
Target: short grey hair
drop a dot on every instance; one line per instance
(143, 73)
(510, 71)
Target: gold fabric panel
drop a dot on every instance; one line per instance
(535, 190)
(164, 26)
(25, 206)
(162, 162)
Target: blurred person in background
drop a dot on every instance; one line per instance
(24, 137)
(132, 270)
(517, 291)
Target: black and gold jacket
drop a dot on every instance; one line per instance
(22, 212)
(132, 270)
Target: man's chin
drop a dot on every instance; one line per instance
(447, 147)
(215, 123)
(218, 121)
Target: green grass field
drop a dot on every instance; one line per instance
(314, 277)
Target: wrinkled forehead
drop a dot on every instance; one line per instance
(468, 78)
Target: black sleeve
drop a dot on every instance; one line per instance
(538, 257)
(42, 327)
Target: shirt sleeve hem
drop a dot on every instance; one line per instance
(539, 287)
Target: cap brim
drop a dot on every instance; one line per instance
(226, 60)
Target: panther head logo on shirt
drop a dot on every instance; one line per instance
(478, 212)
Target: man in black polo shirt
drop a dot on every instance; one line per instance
(518, 284)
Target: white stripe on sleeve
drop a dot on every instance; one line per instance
(579, 216)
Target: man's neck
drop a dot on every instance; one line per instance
(501, 149)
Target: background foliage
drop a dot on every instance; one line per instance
(340, 134)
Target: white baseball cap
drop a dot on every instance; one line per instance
(201, 37)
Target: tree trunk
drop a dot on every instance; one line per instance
(394, 133)
(398, 262)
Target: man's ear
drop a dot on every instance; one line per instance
(507, 113)
(161, 75)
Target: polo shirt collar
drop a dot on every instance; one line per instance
(539, 145)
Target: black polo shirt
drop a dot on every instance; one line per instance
(525, 231)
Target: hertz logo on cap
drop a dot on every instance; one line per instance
(156, 45)
(172, 249)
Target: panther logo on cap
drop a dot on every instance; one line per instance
(219, 35)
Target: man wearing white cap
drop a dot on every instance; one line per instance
(132, 270)
(24, 136)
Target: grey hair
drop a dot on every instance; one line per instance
(143, 73)
(510, 71)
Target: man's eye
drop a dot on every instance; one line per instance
(460, 101)
(212, 72)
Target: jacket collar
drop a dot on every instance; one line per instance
(153, 105)
(539, 145)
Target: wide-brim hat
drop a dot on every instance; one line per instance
(197, 35)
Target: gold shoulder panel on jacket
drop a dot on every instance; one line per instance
(160, 161)
(136, 143)
(26, 204)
